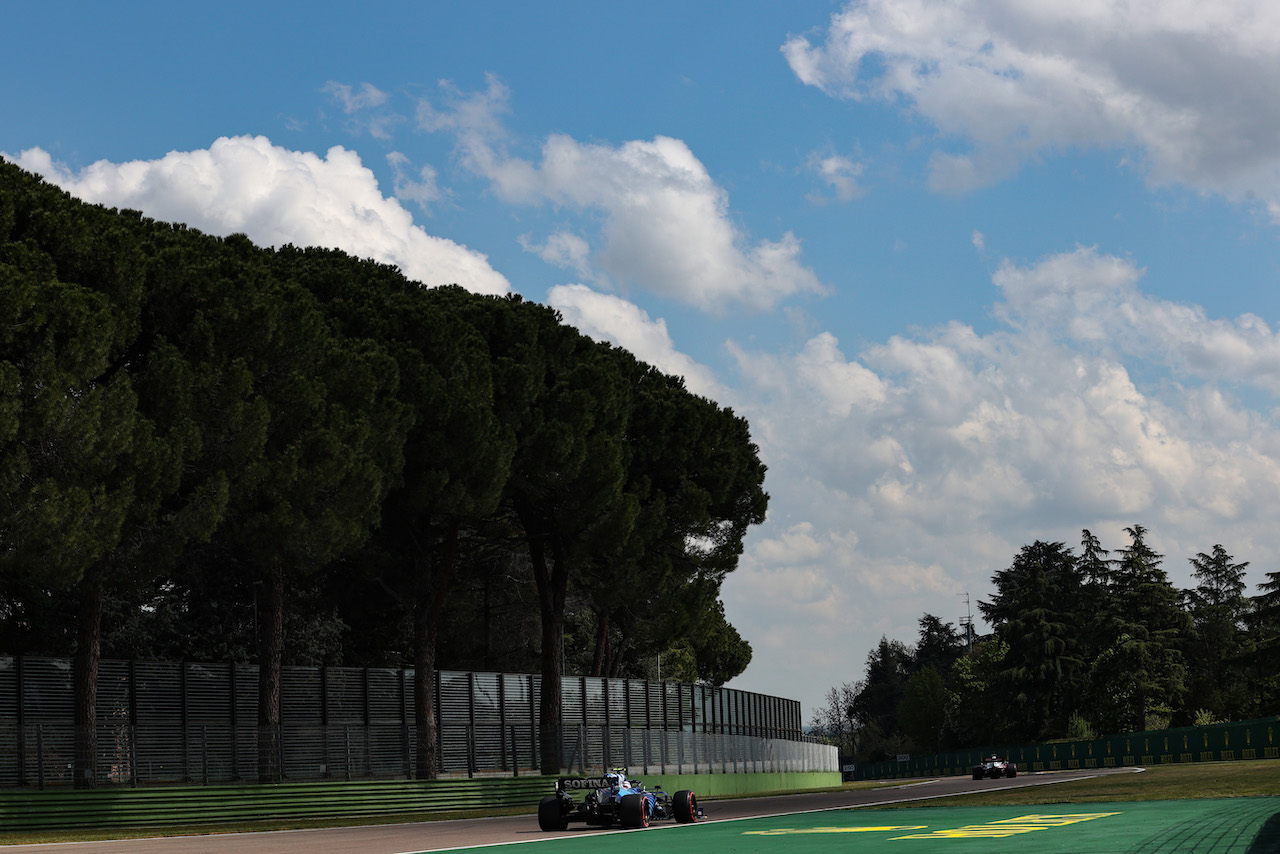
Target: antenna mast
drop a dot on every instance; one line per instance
(967, 622)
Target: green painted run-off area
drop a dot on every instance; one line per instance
(1219, 826)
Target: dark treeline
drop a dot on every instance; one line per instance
(1083, 645)
(213, 451)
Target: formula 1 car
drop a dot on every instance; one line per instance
(614, 800)
(994, 766)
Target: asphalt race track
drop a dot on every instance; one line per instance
(443, 835)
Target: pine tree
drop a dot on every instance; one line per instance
(1217, 607)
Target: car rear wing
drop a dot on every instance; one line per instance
(565, 784)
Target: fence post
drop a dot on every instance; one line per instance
(235, 721)
(182, 721)
(502, 716)
(326, 764)
(406, 750)
(133, 755)
(471, 723)
(439, 702)
(515, 755)
(368, 725)
(346, 743)
(20, 731)
(204, 754)
(40, 756)
(404, 727)
(132, 700)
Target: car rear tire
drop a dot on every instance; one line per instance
(1012, 772)
(685, 805)
(551, 814)
(632, 812)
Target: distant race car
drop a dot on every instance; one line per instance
(994, 766)
(613, 800)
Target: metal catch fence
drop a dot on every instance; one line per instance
(166, 722)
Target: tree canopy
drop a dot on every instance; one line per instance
(299, 456)
(1097, 642)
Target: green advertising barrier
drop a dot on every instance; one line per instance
(1227, 742)
(60, 809)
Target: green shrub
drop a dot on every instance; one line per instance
(1079, 729)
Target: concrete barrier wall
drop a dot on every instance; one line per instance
(738, 785)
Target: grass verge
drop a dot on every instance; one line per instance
(1158, 783)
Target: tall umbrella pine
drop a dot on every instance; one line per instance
(567, 404)
(566, 490)
(457, 452)
(697, 483)
(334, 443)
(102, 445)
(299, 421)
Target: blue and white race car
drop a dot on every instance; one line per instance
(613, 800)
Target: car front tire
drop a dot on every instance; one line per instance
(685, 807)
(551, 814)
(632, 812)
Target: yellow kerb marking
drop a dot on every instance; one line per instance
(799, 831)
(1009, 826)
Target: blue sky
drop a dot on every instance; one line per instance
(978, 272)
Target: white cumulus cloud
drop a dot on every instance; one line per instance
(1188, 85)
(906, 474)
(1089, 298)
(665, 225)
(277, 196)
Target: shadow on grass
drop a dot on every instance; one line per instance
(1268, 839)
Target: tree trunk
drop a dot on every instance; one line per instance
(85, 679)
(270, 653)
(424, 692)
(619, 653)
(432, 583)
(600, 664)
(550, 577)
(1140, 712)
